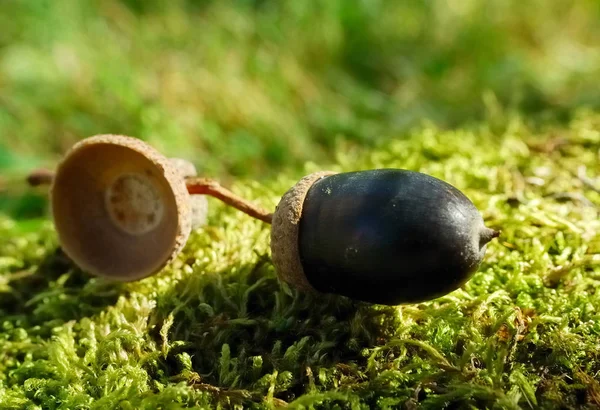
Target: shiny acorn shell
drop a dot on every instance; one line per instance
(384, 236)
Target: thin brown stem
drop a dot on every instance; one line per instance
(205, 186)
(40, 177)
(195, 186)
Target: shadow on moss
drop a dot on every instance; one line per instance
(56, 292)
(258, 333)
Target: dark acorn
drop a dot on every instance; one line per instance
(385, 236)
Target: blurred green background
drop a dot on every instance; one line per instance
(253, 88)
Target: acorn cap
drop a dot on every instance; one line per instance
(120, 208)
(285, 232)
(198, 203)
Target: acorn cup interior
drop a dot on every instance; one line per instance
(120, 208)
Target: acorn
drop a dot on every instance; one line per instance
(386, 236)
(121, 209)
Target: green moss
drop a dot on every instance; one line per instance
(216, 328)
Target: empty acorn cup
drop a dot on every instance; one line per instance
(121, 209)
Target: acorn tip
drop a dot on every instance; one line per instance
(487, 235)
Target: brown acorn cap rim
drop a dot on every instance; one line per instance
(169, 172)
(285, 232)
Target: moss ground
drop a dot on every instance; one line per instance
(216, 328)
(499, 98)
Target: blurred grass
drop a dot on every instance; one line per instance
(253, 88)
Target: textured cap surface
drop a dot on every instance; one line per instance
(285, 232)
(89, 233)
(198, 203)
